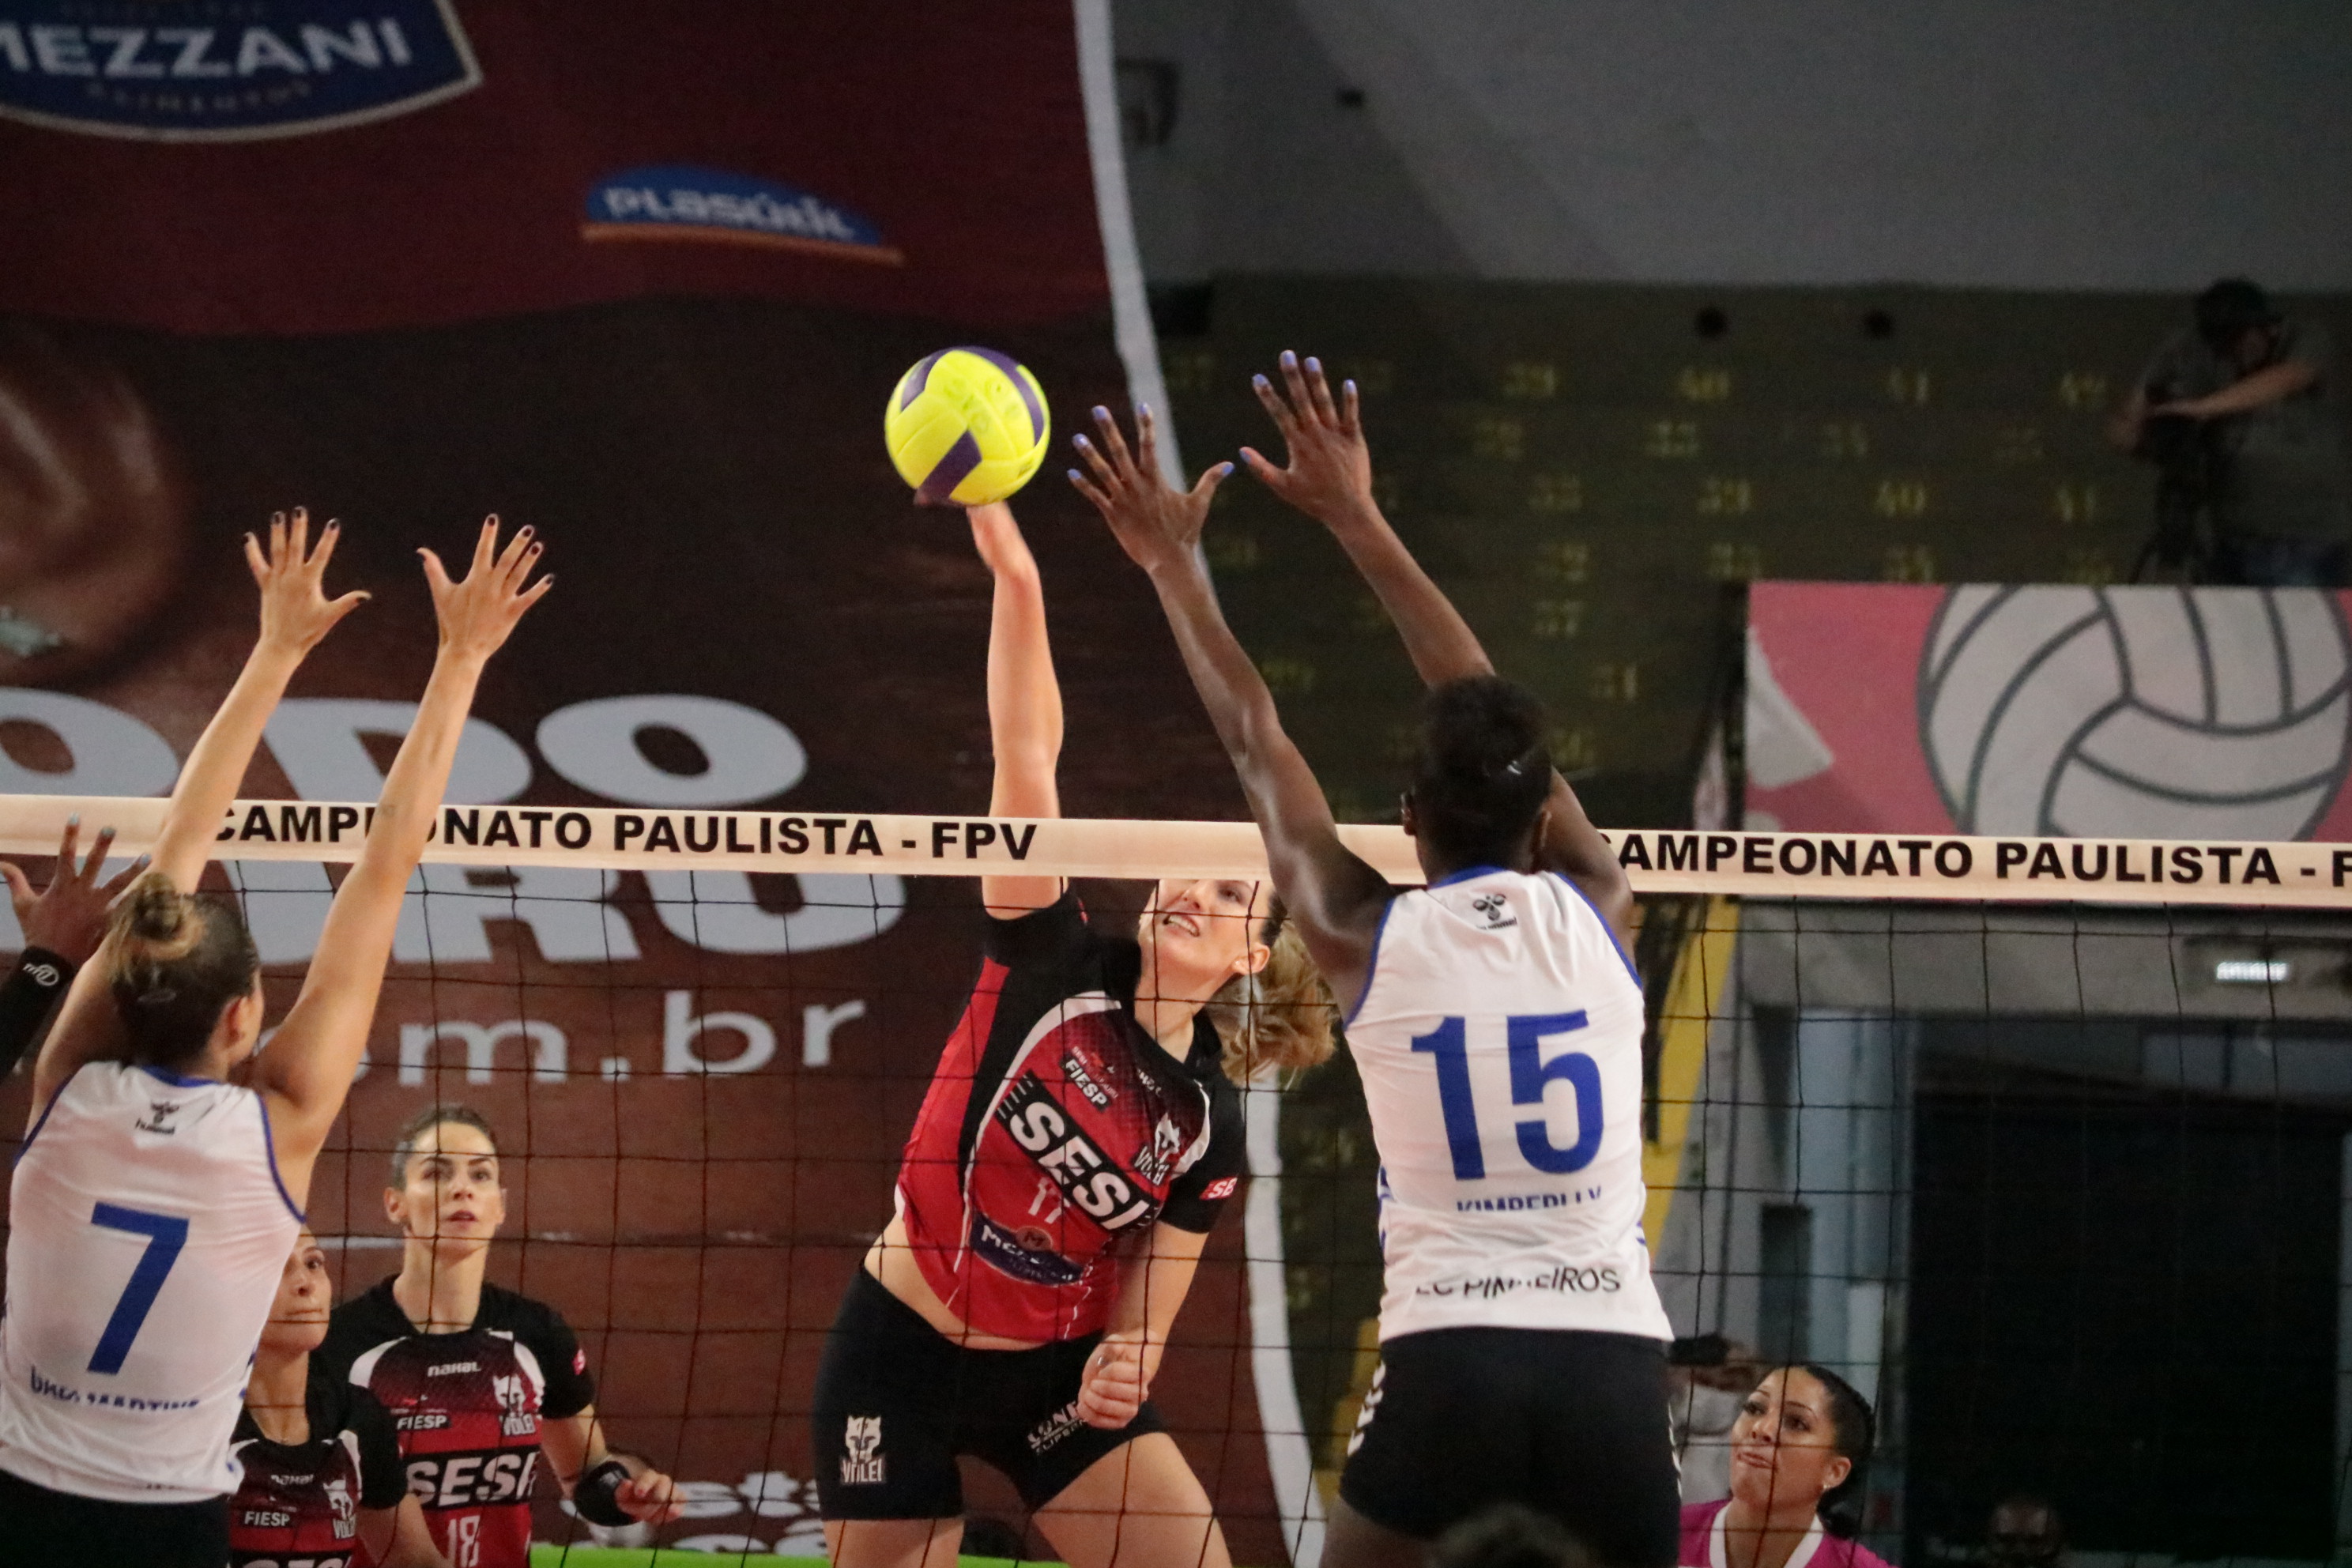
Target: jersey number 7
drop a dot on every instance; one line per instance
(166, 1235)
(1530, 1076)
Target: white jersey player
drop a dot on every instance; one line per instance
(1497, 1025)
(156, 1202)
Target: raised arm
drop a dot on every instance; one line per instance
(1024, 701)
(1335, 898)
(1330, 478)
(308, 1068)
(295, 614)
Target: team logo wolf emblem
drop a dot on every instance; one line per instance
(861, 1466)
(259, 68)
(341, 1507)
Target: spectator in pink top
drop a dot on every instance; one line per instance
(1800, 1455)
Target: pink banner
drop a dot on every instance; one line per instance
(2149, 713)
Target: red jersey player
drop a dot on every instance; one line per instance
(1081, 1134)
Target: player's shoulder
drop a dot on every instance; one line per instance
(527, 1318)
(360, 1324)
(1056, 940)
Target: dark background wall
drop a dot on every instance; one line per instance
(2101, 144)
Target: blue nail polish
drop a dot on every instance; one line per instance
(1350, 385)
(75, 820)
(1315, 365)
(1143, 410)
(1228, 470)
(1101, 413)
(1288, 359)
(1079, 442)
(1074, 476)
(1260, 381)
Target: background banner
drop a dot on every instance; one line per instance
(643, 279)
(2157, 712)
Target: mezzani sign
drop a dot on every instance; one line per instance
(202, 70)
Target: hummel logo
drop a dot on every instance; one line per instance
(159, 1116)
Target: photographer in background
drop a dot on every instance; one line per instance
(2240, 416)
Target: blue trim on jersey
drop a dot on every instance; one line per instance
(1465, 874)
(1373, 968)
(177, 1080)
(1606, 929)
(269, 1146)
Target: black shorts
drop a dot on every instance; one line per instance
(1571, 1424)
(43, 1528)
(896, 1401)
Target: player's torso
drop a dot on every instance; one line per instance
(466, 1407)
(1499, 1041)
(147, 1233)
(1057, 1139)
(298, 1504)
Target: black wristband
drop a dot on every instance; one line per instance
(45, 969)
(593, 1497)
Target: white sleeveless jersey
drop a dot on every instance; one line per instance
(1499, 1039)
(147, 1233)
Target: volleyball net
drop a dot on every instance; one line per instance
(2040, 1144)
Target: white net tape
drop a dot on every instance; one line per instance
(1756, 865)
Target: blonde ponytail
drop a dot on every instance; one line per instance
(1282, 1017)
(173, 963)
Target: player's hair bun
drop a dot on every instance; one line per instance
(1484, 771)
(173, 962)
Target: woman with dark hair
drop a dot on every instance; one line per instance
(322, 1473)
(1800, 1468)
(1497, 1023)
(1079, 1139)
(156, 1199)
(479, 1380)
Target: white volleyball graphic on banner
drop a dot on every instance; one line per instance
(2138, 712)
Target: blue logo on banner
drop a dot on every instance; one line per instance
(676, 202)
(215, 72)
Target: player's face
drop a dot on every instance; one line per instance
(1199, 933)
(298, 1318)
(1784, 1444)
(452, 1196)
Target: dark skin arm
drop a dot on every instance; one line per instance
(1330, 478)
(1335, 898)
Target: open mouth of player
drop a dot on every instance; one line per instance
(1177, 920)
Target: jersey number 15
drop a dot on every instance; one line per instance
(1530, 1076)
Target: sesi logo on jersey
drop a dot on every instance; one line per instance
(261, 69)
(479, 1480)
(1075, 1162)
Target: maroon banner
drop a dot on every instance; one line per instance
(935, 164)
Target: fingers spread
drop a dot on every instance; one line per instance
(1086, 488)
(1320, 390)
(1208, 483)
(89, 872)
(1271, 401)
(326, 551)
(1094, 459)
(1115, 444)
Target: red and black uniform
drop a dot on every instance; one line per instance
(1056, 1133)
(300, 1503)
(467, 1408)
